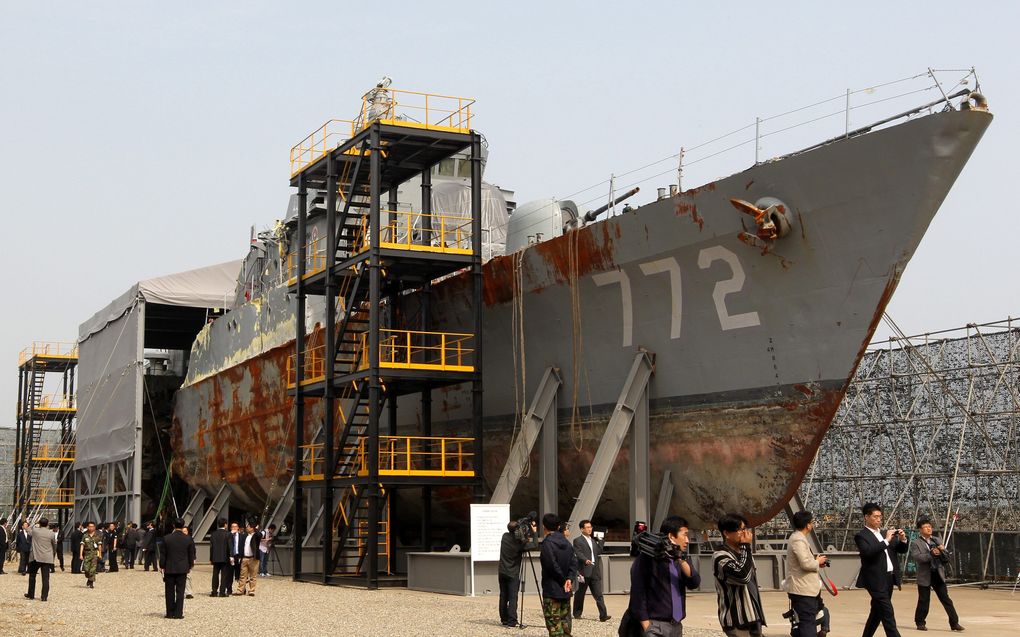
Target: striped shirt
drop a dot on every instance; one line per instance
(737, 588)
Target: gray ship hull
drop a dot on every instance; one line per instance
(753, 351)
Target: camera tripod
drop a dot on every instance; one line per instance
(526, 559)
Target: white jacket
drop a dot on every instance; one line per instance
(801, 567)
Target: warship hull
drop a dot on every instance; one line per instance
(753, 348)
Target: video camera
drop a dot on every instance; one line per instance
(656, 546)
(525, 532)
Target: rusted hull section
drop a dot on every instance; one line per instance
(753, 347)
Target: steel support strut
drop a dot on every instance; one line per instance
(631, 408)
(299, 357)
(374, 389)
(329, 391)
(476, 277)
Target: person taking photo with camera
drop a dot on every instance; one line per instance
(880, 568)
(518, 539)
(802, 581)
(931, 558)
(736, 581)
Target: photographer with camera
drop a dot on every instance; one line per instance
(659, 580)
(931, 558)
(802, 580)
(518, 539)
(880, 568)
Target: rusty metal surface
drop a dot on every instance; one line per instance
(745, 387)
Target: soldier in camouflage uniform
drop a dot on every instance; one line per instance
(89, 552)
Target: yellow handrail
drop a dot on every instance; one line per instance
(52, 496)
(405, 230)
(410, 349)
(318, 143)
(426, 456)
(315, 260)
(315, 367)
(49, 349)
(53, 453)
(55, 402)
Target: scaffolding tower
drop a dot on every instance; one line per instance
(369, 353)
(43, 480)
(929, 428)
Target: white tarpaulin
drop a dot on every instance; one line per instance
(211, 286)
(111, 358)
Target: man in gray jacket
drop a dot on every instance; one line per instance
(802, 582)
(930, 557)
(44, 547)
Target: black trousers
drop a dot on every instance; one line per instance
(129, 557)
(508, 589)
(237, 568)
(75, 563)
(221, 578)
(111, 561)
(173, 586)
(33, 568)
(595, 585)
(3, 556)
(882, 611)
(806, 609)
(150, 559)
(23, 561)
(924, 600)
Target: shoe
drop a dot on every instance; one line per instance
(42, 599)
(922, 627)
(241, 593)
(189, 597)
(168, 617)
(251, 594)
(576, 616)
(958, 628)
(27, 596)
(606, 618)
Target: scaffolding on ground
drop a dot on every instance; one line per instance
(928, 428)
(371, 350)
(44, 445)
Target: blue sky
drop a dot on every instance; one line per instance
(142, 138)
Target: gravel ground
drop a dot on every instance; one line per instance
(129, 600)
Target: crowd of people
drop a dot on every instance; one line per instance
(663, 571)
(238, 556)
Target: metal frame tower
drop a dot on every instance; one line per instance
(368, 353)
(32, 454)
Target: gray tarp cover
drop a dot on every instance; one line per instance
(111, 358)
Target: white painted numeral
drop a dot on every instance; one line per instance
(619, 276)
(732, 285)
(669, 265)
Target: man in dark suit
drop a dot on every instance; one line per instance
(930, 556)
(219, 557)
(880, 568)
(588, 549)
(148, 546)
(236, 550)
(76, 536)
(24, 547)
(5, 540)
(176, 560)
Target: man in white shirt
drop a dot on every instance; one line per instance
(880, 569)
(249, 560)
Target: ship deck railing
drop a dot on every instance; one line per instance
(49, 349)
(315, 260)
(394, 107)
(406, 230)
(52, 497)
(427, 351)
(401, 456)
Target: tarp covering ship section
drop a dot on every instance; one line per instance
(164, 312)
